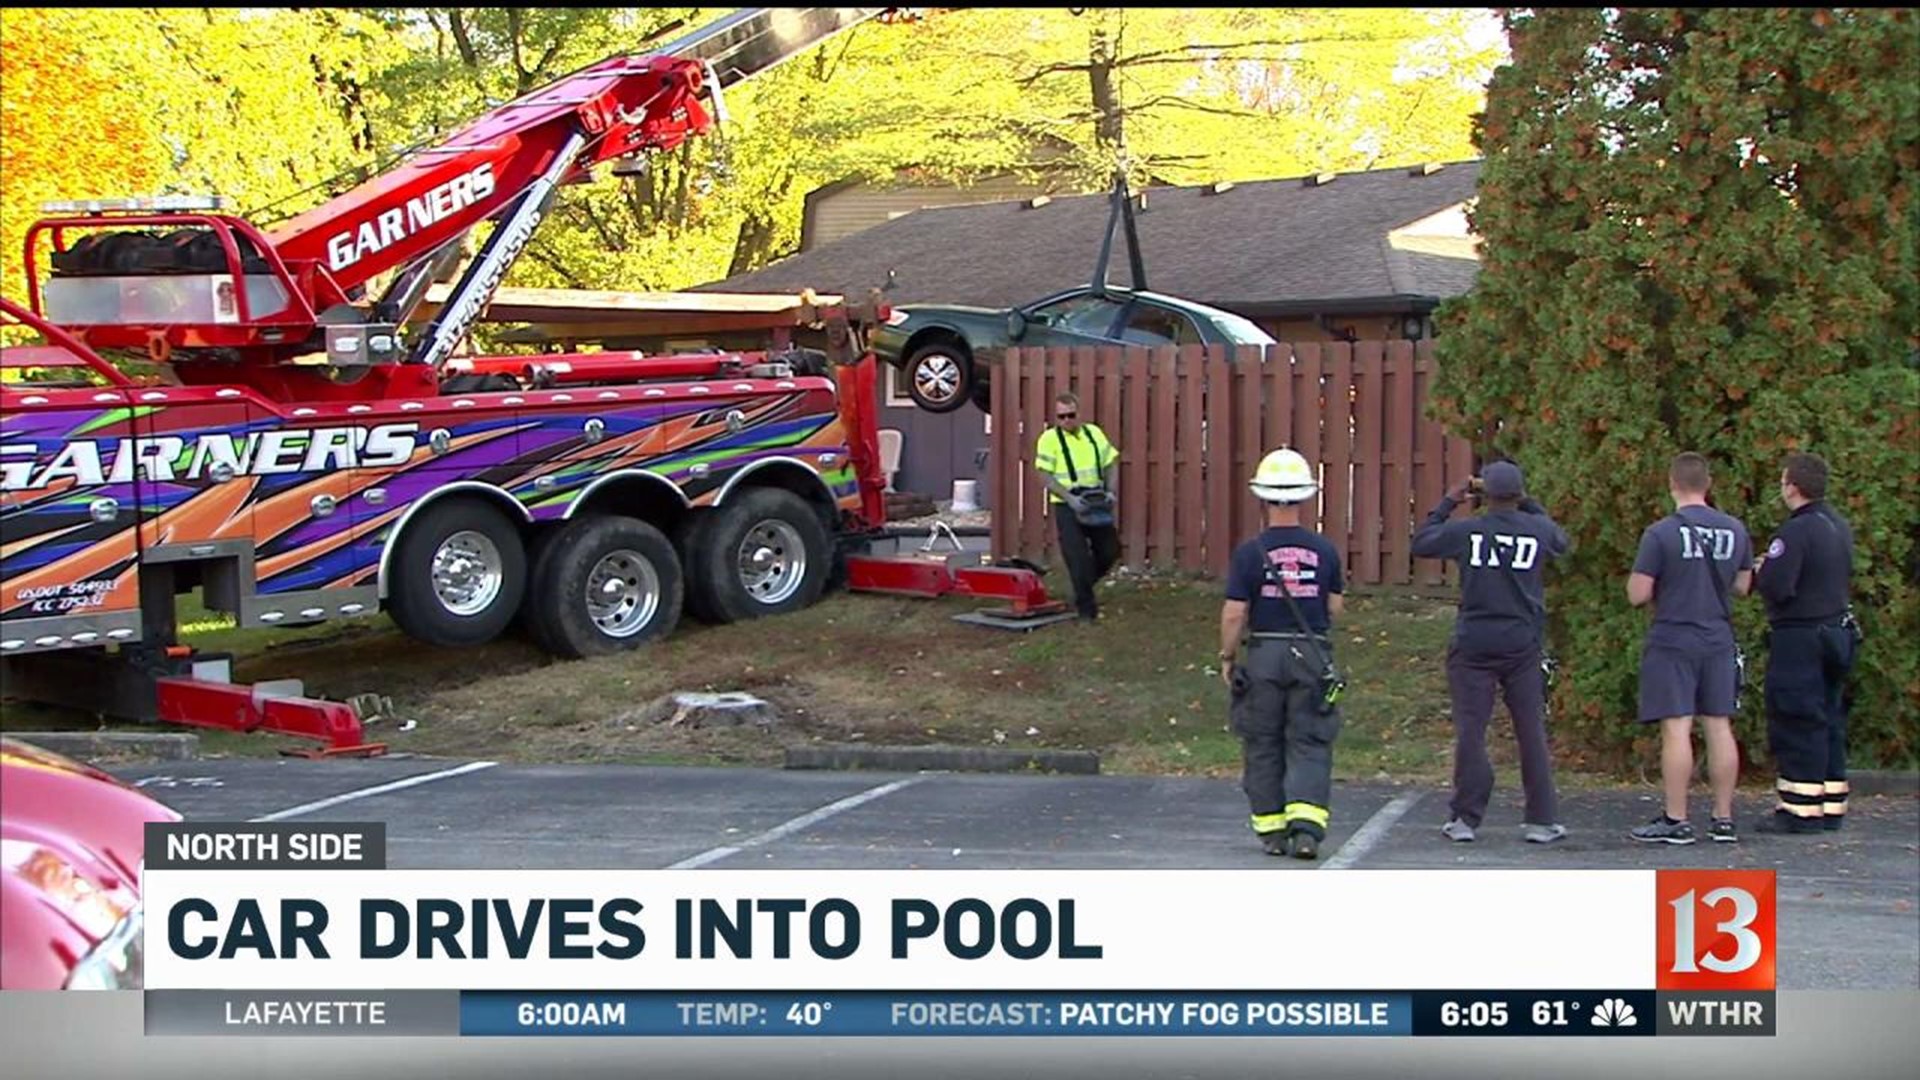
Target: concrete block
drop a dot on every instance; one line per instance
(90, 746)
(695, 710)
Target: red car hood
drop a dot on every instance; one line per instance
(71, 842)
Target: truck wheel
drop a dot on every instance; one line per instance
(604, 584)
(762, 553)
(940, 376)
(458, 574)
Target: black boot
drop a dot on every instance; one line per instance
(1786, 824)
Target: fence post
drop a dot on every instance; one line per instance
(1218, 534)
(1004, 456)
(1136, 483)
(1397, 485)
(1430, 474)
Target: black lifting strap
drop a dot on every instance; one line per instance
(1073, 474)
(1279, 581)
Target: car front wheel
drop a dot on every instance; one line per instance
(940, 376)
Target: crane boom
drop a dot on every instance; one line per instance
(268, 296)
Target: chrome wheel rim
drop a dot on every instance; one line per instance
(467, 573)
(773, 561)
(623, 593)
(937, 377)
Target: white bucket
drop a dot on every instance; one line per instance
(966, 496)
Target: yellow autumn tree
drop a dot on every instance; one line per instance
(263, 106)
(71, 124)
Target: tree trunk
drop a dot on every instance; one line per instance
(753, 248)
(1109, 126)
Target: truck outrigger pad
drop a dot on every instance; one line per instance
(180, 686)
(961, 574)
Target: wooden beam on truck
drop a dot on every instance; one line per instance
(689, 326)
(636, 312)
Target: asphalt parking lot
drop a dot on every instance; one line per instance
(1847, 901)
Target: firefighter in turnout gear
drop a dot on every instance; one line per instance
(1284, 589)
(1812, 638)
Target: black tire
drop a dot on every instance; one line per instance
(944, 363)
(688, 537)
(536, 540)
(589, 552)
(807, 361)
(412, 598)
(717, 588)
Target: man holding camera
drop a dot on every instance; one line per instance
(1498, 641)
(1284, 589)
(1076, 459)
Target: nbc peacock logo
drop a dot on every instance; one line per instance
(1614, 1012)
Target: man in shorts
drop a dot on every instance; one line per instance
(1691, 564)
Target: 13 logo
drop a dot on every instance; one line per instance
(1716, 929)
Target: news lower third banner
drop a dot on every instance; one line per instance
(303, 930)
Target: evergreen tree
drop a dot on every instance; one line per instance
(1700, 232)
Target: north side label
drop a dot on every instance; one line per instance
(170, 457)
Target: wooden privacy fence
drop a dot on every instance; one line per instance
(1192, 422)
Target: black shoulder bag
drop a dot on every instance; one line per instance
(1098, 511)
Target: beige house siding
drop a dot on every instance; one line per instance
(1303, 330)
(835, 214)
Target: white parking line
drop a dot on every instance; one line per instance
(381, 789)
(790, 827)
(1371, 833)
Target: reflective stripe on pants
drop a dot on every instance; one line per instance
(1807, 719)
(1286, 742)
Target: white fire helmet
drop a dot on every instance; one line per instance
(1284, 477)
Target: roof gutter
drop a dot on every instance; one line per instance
(1397, 304)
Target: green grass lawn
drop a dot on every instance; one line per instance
(1139, 686)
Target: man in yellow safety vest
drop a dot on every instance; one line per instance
(1076, 459)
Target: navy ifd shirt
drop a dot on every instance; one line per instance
(1693, 555)
(1501, 553)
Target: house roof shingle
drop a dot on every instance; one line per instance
(1254, 247)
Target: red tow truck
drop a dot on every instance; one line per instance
(305, 458)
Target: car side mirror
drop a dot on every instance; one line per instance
(1016, 325)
